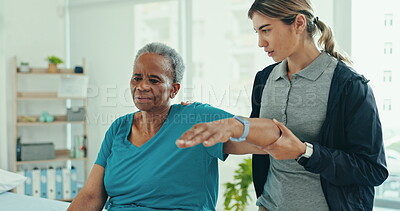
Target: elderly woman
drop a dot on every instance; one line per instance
(139, 167)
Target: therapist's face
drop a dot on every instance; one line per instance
(278, 39)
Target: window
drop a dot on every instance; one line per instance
(156, 21)
(387, 76)
(224, 54)
(387, 194)
(388, 21)
(388, 48)
(387, 105)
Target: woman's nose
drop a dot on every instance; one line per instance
(262, 42)
(143, 85)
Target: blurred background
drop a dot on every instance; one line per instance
(219, 47)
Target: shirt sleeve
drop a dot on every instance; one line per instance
(208, 113)
(217, 151)
(360, 159)
(106, 146)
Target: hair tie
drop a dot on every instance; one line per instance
(315, 21)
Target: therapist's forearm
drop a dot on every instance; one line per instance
(262, 132)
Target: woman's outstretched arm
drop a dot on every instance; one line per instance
(263, 132)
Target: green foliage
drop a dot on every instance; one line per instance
(54, 60)
(237, 192)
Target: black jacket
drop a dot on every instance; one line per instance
(350, 157)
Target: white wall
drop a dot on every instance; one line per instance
(3, 124)
(104, 35)
(31, 33)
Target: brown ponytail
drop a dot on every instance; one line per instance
(327, 41)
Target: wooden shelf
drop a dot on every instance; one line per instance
(43, 71)
(61, 156)
(58, 120)
(31, 92)
(43, 96)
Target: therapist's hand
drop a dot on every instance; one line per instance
(288, 146)
(186, 103)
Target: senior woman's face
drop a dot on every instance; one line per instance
(152, 84)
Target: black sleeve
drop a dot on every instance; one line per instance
(256, 96)
(258, 87)
(260, 163)
(361, 158)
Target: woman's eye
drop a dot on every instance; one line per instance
(154, 81)
(265, 30)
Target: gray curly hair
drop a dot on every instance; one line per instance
(178, 68)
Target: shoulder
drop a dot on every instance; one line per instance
(262, 75)
(353, 85)
(122, 120)
(196, 107)
(267, 70)
(203, 111)
(203, 106)
(344, 73)
(192, 106)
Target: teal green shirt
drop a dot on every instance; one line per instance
(158, 175)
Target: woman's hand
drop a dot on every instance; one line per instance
(209, 133)
(288, 146)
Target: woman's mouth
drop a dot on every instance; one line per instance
(142, 99)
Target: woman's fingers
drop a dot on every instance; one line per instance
(214, 139)
(186, 103)
(287, 146)
(207, 133)
(201, 136)
(282, 127)
(193, 136)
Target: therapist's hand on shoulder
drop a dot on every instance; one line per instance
(288, 146)
(185, 103)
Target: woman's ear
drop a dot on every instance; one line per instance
(300, 23)
(175, 90)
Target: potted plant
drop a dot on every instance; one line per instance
(53, 61)
(24, 68)
(237, 192)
